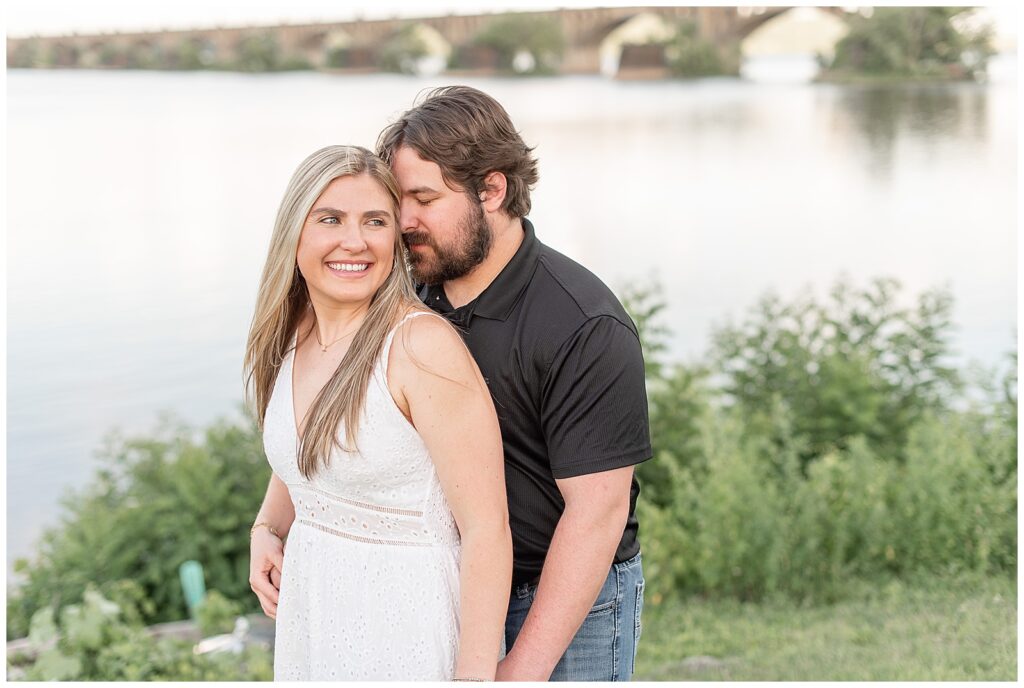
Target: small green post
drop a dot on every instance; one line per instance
(193, 584)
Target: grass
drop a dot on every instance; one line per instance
(933, 631)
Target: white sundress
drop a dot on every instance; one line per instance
(370, 586)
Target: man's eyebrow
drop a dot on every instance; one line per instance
(420, 190)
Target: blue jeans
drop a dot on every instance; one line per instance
(604, 648)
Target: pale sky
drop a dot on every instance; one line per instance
(49, 17)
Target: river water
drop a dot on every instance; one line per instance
(140, 206)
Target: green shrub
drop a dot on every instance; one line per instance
(690, 55)
(217, 614)
(838, 523)
(510, 35)
(156, 503)
(740, 518)
(193, 53)
(257, 53)
(26, 55)
(776, 480)
(856, 364)
(402, 51)
(912, 42)
(956, 513)
(96, 641)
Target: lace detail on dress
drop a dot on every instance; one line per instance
(371, 523)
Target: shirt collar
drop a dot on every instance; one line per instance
(496, 301)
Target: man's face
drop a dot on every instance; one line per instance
(444, 229)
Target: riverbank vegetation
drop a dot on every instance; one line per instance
(823, 449)
(911, 43)
(689, 55)
(825, 442)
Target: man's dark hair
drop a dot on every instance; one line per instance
(468, 134)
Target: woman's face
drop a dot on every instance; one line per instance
(347, 246)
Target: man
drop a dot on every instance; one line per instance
(563, 363)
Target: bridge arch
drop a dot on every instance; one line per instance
(799, 30)
(437, 50)
(641, 29)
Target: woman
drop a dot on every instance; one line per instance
(384, 446)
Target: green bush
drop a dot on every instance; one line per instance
(856, 364)
(838, 523)
(539, 37)
(257, 53)
(774, 480)
(217, 614)
(690, 55)
(156, 503)
(956, 510)
(912, 42)
(740, 518)
(27, 55)
(402, 51)
(95, 640)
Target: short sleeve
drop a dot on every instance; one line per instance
(594, 402)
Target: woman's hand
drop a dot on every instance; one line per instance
(266, 561)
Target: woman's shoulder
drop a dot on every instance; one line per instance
(426, 342)
(422, 331)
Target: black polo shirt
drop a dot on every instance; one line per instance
(563, 363)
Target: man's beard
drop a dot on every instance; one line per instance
(471, 245)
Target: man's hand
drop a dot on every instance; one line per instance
(266, 561)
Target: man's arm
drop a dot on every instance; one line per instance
(594, 417)
(577, 564)
(266, 550)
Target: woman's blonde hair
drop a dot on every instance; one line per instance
(283, 299)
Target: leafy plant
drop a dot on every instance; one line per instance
(157, 502)
(538, 39)
(217, 614)
(857, 364)
(95, 641)
(402, 51)
(257, 53)
(690, 55)
(912, 42)
(769, 480)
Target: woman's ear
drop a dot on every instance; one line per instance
(493, 193)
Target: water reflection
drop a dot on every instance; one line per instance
(885, 115)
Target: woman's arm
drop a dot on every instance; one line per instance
(437, 383)
(266, 550)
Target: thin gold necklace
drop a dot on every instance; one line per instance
(324, 347)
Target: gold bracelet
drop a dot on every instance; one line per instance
(266, 525)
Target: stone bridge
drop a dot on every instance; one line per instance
(593, 40)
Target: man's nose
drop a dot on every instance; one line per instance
(409, 221)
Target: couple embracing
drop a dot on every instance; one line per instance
(453, 467)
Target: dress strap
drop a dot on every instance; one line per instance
(382, 366)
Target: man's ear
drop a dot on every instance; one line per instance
(493, 193)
